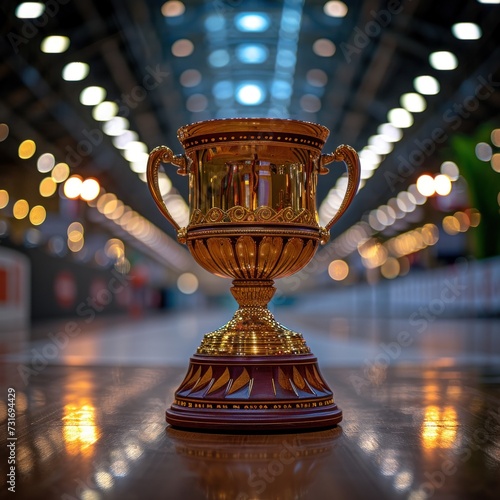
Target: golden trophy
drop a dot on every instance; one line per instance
(253, 218)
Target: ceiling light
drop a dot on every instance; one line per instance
(139, 166)
(251, 53)
(316, 77)
(335, 9)
(495, 137)
(173, 9)
(196, 103)
(105, 111)
(60, 172)
(426, 85)
(90, 96)
(324, 47)
(413, 102)
(20, 209)
(290, 21)
(252, 22)
(182, 48)
(45, 163)
(219, 58)
(443, 60)
(4, 131)
(400, 118)
(286, 58)
(75, 71)
(495, 163)
(390, 132)
(310, 103)
(484, 151)
(115, 126)
(164, 183)
(215, 22)
(367, 173)
(370, 156)
(30, 10)
(442, 184)
(121, 141)
(466, 31)
(406, 201)
(338, 270)
(419, 198)
(73, 187)
(489, 1)
(425, 185)
(187, 283)
(47, 187)
(250, 94)
(450, 169)
(223, 90)
(55, 44)
(90, 189)
(380, 145)
(190, 78)
(281, 89)
(26, 149)
(135, 151)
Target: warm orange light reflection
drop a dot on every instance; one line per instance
(439, 428)
(80, 429)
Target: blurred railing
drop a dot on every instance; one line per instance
(468, 289)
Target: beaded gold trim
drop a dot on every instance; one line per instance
(288, 138)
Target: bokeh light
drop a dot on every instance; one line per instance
(27, 149)
(73, 187)
(187, 283)
(390, 268)
(60, 172)
(20, 209)
(425, 185)
(4, 198)
(38, 215)
(47, 187)
(173, 8)
(442, 184)
(338, 270)
(90, 189)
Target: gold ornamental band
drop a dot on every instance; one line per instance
(239, 230)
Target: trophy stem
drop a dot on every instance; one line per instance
(253, 331)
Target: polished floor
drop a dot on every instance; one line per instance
(421, 407)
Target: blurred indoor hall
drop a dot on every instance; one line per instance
(103, 303)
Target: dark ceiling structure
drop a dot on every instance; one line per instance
(346, 65)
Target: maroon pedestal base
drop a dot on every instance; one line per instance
(253, 393)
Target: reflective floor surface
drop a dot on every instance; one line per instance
(421, 413)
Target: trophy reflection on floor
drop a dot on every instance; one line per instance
(239, 467)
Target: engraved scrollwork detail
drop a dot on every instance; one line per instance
(262, 214)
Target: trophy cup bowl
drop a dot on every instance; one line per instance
(253, 219)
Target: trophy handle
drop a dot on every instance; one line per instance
(162, 154)
(348, 155)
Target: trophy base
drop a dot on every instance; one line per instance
(253, 393)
